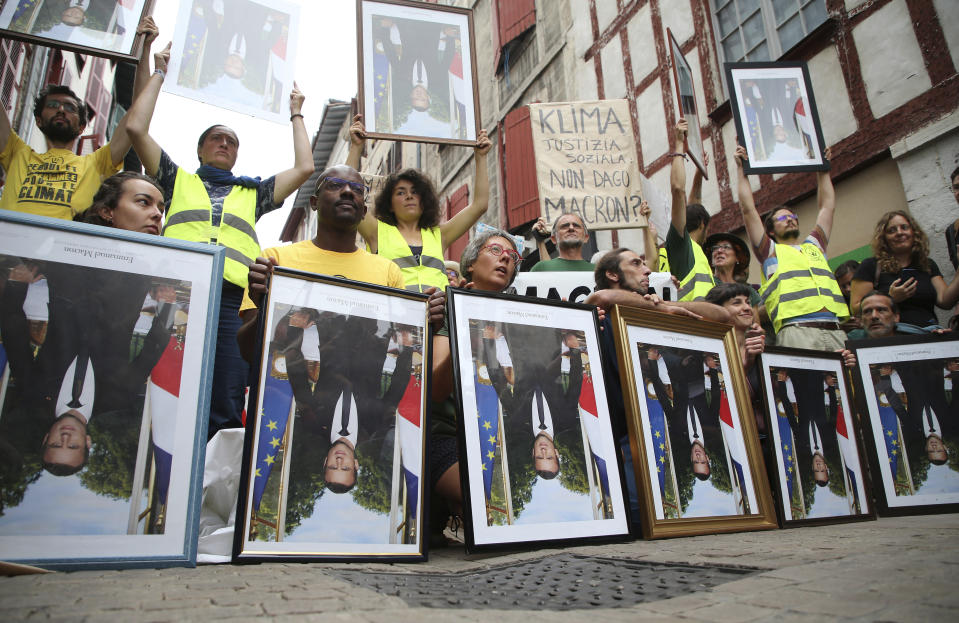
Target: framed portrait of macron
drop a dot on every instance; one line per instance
(776, 117)
(106, 28)
(695, 450)
(686, 100)
(105, 371)
(239, 55)
(417, 71)
(815, 461)
(537, 456)
(909, 392)
(333, 463)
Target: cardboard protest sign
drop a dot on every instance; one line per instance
(586, 162)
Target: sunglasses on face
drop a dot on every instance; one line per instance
(336, 184)
(785, 217)
(69, 107)
(497, 250)
(722, 247)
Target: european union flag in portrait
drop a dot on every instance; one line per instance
(277, 400)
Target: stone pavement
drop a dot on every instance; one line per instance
(896, 569)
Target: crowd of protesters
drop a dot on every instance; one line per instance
(801, 302)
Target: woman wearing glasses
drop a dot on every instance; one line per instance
(490, 263)
(406, 226)
(901, 267)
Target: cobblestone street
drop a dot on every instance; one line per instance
(898, 569)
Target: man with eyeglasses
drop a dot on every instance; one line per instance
(569, 235)
(338, 202)
(799, 290)
(59, 183)
(214, 206)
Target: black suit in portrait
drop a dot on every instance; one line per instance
(691, 395)
(816, 404)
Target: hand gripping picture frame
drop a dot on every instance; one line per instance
(417, 72)
(695, 449)
(776, 117)
(106, 28)
(108, 340)
(334, 456)
(538, 460)
(815, 458)
(907, 389)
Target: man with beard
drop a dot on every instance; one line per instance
(799, 289)
(59, 183)
(569, 235)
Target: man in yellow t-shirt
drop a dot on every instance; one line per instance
(338, 201)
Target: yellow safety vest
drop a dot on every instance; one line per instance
(802, 284)
(663, 261)
(699, 281)
(418, 273)
(190, 218)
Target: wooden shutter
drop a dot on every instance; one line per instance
(515, 17)
(519, 169)
(98, 97)
(456, 202)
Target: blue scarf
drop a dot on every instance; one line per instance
(220, 177)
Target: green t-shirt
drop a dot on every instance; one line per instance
(679, 250)
(559, 265)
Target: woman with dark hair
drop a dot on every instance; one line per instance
(127, 200)
(901, 267)
(406, 227)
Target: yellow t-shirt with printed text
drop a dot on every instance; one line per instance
(57, 183)
(360, 265)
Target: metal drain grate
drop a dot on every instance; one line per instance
(562, 582)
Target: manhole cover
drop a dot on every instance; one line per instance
(563, 582)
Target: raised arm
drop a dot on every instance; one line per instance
(677, 177)
(696, 192)
(826, 196)
(121, 142)
(452, 229)
(368, 226)
(291, 179)
(138, 117)
(754, 224)
(650, 244)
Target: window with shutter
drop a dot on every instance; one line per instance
(456, 202)
(519, 169)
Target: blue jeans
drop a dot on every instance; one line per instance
(230, 371)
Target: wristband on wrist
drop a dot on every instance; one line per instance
(295, 115)
(161, 72)
(678, 153)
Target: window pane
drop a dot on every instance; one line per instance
(746, 7)
(753, 31)
(784, 9)
(814, 14)
(761, 53)
(733, 48)
(727, 20)
(790, 33)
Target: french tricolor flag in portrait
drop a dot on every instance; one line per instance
(164, 391)
(411, 448)
(458, 88)
(847, 445)
(590, 418)
(804, 123)
(734, 442)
